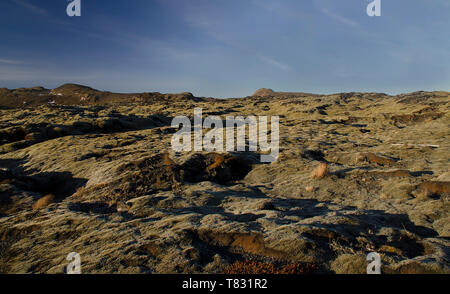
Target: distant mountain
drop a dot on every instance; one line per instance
(264, 92)
(267, 93)
(73, 94)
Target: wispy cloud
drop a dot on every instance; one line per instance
(340, 18)
(31, 7)
(275, 63)
(9, 61)
(444, 3)
(281, 9)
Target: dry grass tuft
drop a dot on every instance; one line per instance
(43, 202)
(219, 159)
(167, 160)
(80, 192)
(384, 196)
(320, 172)
(168, 163)
(310, 189)
(423, 195)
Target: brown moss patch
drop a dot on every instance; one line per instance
(18, 232)
(408, 118)
(6, 181)
(375, 159)
(254, 267)
(160, 172)
(219, 168)
(429, 189)
(151, 248)
(391, 174)
(435, 187)
(252, 243)
(146, 176)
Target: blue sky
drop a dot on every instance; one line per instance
(227, 48)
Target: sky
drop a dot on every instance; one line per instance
(227, 48)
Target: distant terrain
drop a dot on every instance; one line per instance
(73, 94)
(93, 172)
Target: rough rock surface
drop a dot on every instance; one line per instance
(117, 194)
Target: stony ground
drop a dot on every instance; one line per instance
(99, 178)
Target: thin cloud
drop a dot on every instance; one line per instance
(444, 3)
(281, 9)
(274, 63)
(340, 18)
(9, 61)
(31, 7)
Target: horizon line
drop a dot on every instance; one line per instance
(327, 93)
